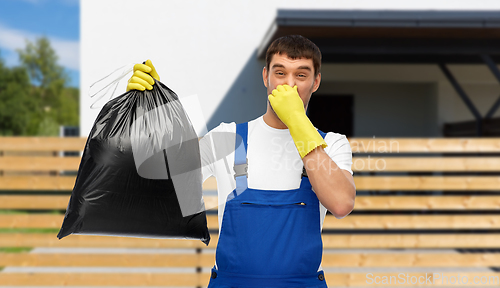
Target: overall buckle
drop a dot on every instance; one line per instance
(241, 169)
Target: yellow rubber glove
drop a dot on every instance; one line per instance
(142, 78)
(289, 107)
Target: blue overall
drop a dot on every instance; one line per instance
(268, 238)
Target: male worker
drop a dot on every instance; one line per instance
(270, 212)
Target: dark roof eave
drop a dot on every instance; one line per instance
(424, 19)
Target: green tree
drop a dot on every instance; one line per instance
(34, 98)
(41, 62)
(58, 103)
(69, 107)
(20, 112)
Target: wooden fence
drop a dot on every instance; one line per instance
(422, 205)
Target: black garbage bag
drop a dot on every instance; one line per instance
(140, 173)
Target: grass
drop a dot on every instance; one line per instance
(12, 212)
(15, 249)
(24, 212)
(29, 230)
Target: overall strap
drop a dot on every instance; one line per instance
(304, 183)
(323, 134)
(240, 158)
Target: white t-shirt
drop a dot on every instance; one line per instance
(273, 160)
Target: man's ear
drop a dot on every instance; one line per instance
(317, 81)
(264, 76)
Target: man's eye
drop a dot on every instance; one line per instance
(302, 75)
(280, 73)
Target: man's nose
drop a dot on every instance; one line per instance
(290, 81)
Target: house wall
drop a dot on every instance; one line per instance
(205, 51)
(419, 97)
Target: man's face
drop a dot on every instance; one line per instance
(300, 72)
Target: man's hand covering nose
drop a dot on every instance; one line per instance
(289, 107)
(142, 78)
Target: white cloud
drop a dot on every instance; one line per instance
(67, 50)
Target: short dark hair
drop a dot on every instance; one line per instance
(295, 46)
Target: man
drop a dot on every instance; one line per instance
(270, 213)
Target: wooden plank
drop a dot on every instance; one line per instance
(483, 221)
(210, 184)
(39, 220)
(391, 260)
(39, 163)
(50, 240)
(425, 164)
(59, 183)
(424, 145)
(100, 260)
(413, 183)
(366, 164)
(42, 143)
(457, 240)
(358, 145)
(380, 202)
(406, 183)
(33, 202)
(376, 202)
(31, 221)
(491, 279)
(104, 279)
(379, 259)
(51, 202)
(414, 240)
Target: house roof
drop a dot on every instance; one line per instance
(364, 36)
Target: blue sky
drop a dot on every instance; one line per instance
(59, 20)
